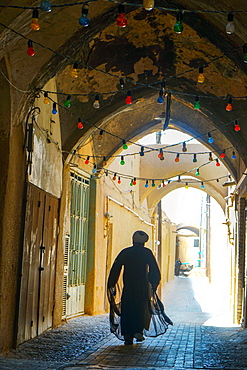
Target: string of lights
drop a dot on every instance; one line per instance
(138, 85)
(185, 10)
(145, 149)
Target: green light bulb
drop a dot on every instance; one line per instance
(178, 27)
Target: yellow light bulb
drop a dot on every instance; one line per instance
(75, 71)
(148, 4)
(35, 24)
(201, 78)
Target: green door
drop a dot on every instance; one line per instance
(77, 251)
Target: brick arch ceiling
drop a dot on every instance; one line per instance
(146, 51)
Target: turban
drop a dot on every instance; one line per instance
(140, 237)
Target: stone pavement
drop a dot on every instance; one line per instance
(202, 338)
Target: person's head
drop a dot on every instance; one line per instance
(140, 237)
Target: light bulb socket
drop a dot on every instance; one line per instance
(230, 17)
(179, 16)
(75, 65)
(200, 70)
(84, 10)
(30, 44)
(35, 13)
(121, 9)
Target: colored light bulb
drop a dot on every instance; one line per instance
(184, 147)
(131, 182)
(114, 177)
(229, 105)
(96, 103)
(100, 137)
(94, 169)
(119, 180)
(122, 162)
(83, 20)
(121, 82)
(35, 21)
(178, 27)
(160, 97)
(202, 185)
(230, 28)
(87, 160)
(194, 158)
(160, 155)
(80, 124)
(128, 99)
(46, 6)
(197, 172)
(134, 181)
(142, 151)
(223, 154)
(186, 185)
(30, 50)
(146, 184)
(210, 139)
(197, 103)
(200, 77)
(104, 163)
(148, 4)
(153, 183)
(163, 183)
(75, 71)
(121, 19)
(125, 146)
(233, 155)
(210, 158)
(217, 163)
(236, 126)
(54, 108)
(67, 102)
(46, 99)
(177, 158)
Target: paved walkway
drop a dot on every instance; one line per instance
(202, 338)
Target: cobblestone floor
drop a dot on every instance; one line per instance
(200, 339)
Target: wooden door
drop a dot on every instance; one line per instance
(38, 265)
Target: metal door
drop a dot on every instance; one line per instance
(77, 251)
(38, 267)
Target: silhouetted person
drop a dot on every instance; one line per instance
(178, 263)
(141, 274)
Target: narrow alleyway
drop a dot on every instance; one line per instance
(202, 338)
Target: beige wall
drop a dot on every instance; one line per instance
(47, 166)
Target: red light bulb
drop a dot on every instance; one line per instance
(236, 126)
(129, 99)
(87, 160)
(177, 158)
(119, 180)
(30, 50)
(121, 20)
(134, 181)
(223, 154)
(217, 163)
(80, 124)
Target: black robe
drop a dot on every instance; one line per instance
(141, 276)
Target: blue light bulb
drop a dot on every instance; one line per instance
(233, 155)
(46, 6)
(54, 109)
(146, 185)
(160, 98)
(83, 20)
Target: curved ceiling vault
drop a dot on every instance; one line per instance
(145, 52)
